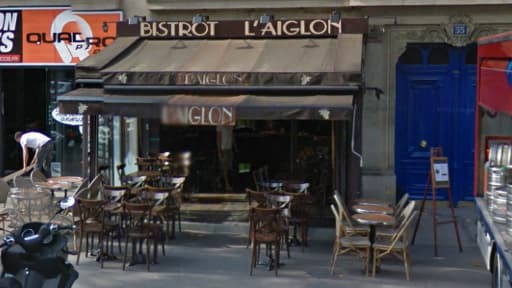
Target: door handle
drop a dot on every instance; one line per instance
(423, 143)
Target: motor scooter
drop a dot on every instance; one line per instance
(35, 254)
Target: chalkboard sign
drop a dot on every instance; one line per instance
(439, 172)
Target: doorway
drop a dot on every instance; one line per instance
(435, 103)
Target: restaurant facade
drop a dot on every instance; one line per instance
(290, 89)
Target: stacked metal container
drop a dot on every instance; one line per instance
(499, 184)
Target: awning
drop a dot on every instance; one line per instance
(95, 101)
(232, 62)
(182, 109)
(225, 110)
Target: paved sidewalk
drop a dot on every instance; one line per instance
(216, 256)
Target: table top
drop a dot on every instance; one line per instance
(376, 209)
(296, 185)
(374, 219)
(370, 201)
(273, 184)
(67, 179)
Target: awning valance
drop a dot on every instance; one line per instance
(183, 109)
(231, 62)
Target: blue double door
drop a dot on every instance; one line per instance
(435, 106)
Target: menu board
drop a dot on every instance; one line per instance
(440, 172)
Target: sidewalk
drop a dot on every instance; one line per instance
(215, 255)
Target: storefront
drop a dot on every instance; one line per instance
(289, 78)
(39, 47)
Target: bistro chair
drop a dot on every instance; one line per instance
(139, 229)
(283, 203)
(255, 199)
(94, 188)
(93, 222)
(265, 229)
(299, 216)
(398, 246)
(388, 232)
(350, 227)
(346, 242)
(165, 208)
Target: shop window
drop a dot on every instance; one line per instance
(439, 56)
(471, 54)
(411, 56)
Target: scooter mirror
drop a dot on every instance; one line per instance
(67, 203)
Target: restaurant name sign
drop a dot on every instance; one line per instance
(200, 115)
(233, 29)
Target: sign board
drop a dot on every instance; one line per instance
(232, 29)
(53, 35)
(199, 115)
(68, 119)
(440, 172)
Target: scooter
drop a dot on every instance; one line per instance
(35, 255)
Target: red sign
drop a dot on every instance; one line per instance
(54, 35)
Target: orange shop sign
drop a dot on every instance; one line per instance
(53, 36)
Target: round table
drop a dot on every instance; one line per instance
(272, 185)
(373, 209)
(65, 182)
(369, 201)
(374, 219)
(296, 186)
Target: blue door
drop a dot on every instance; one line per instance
(435, 108)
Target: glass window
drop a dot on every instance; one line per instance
(411, 56)
(439, 56)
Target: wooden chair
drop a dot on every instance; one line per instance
(265, 229)
(114, 197)
(92, 222)
(350, 227)
(398, 246)
(164, 208)
(140, 229)
(255, 199)
(299, 216)
(94, 188)
(346, 242)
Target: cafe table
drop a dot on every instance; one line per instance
(296, 186)
(272, 185)
(64, 183)
(373, 209)
(370, 201)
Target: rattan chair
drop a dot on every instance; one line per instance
(346, 242)
(350, 227)
(398, 246)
